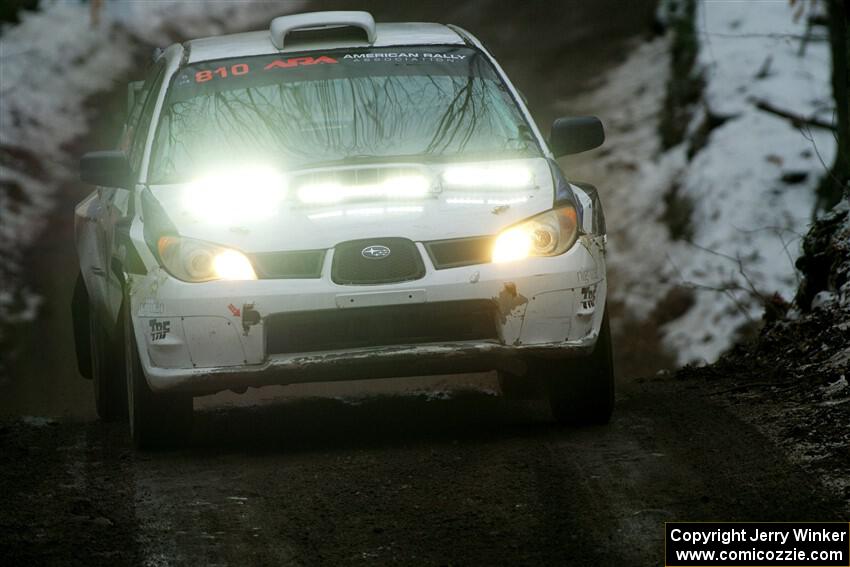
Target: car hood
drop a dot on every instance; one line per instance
(444, 212)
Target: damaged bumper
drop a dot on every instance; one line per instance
(204, 338)
(359, 364)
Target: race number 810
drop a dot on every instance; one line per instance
(222, 72)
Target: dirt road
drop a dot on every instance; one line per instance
(463, 479)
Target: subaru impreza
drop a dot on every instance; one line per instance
(335, 199)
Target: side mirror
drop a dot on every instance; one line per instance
(575, 135)
(107, 169)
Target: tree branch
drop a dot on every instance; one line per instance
(795, 119)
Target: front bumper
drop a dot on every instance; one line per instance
(204, 338)
(367, 363)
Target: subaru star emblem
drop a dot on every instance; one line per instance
(375, 252)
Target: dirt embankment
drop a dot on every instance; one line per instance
(791, 381)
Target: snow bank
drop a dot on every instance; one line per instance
(748, 221)
(739, 206)
(50, 65)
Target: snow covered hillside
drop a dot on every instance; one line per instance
(742, 197)
(50, 65)
(753, 185)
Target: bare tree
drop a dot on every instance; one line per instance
(837, 183)
(96, 5)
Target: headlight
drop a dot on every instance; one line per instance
(197, 261)
(552, 233)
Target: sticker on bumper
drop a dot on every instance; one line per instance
(159, 329)
(588, 297)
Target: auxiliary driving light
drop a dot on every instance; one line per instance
(236, 195)
(400, 187)
(497, 176)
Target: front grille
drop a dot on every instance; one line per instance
(401, 264)
(295, 264)
(335, 329)
(460, 252)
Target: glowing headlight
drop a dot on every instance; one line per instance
(513, 244)
(400, 187)
(197, 261)
(501, 176)
(552, 233)
(234, 196)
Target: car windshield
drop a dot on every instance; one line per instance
(296, 111)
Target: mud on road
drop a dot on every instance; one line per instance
(463, 478)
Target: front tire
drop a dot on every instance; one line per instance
(156, 420)
(107, 371)
(581, 392)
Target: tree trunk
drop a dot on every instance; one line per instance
(96, 5)
(837, 183)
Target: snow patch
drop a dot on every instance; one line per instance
(748, 218)
(840, 386)
(751, 187)
(37, 421)
(50, 65)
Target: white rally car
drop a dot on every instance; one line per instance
(334, 199)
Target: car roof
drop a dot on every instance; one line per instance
(260, 42)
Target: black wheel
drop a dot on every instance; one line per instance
(581, 392)
(80, 321)
(107, 370)
(156, 420)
